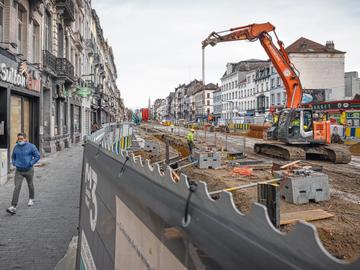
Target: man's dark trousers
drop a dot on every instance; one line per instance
(19, 177)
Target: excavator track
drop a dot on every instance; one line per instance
(281, 151)
(335, 154)
(338, 154)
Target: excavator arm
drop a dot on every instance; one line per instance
(278, 56)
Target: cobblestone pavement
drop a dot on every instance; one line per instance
(37, 237)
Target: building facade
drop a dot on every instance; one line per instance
(321, 68)
(51, 52)
(352, 84)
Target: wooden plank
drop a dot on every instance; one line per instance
(290, 164)
(307, 215)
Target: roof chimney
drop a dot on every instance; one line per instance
(330, 45)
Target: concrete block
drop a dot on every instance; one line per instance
(207, 159)
(152, 147)
(302, 188)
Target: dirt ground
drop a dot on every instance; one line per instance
(340, 234)
(355, 149)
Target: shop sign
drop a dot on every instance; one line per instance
(344, 105)
(22, 76)
(11, 75)
(83, 91)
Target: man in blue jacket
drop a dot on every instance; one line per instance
(24, 156)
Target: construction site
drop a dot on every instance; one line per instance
(333, 205)
(274, 188)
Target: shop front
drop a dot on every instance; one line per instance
(20, 86)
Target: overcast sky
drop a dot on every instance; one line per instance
(157, 43)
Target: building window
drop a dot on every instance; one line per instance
(267, 102)
(47, 31)
(208, 95)
(236, 84)
(262, 87)
(284, 97)
(278, 81)
(253, 77)
(35, 42)
(272, 83)
(278, 98)
(208, 102)
(272, 99)
(20, 28)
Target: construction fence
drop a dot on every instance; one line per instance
(133, 215)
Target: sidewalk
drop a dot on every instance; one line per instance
(37, 237)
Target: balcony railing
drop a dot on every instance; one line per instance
(49, 61)
(67, 8)
(64, 68)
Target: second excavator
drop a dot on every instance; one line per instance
(298, 134)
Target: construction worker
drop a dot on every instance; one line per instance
(275, 118)
(190, 141)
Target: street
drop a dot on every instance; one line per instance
(37, 237)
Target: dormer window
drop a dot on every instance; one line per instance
(228, 69)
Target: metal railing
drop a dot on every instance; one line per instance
(49, 61)
(64, 68)
(68, 9)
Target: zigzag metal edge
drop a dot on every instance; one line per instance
(225, 207)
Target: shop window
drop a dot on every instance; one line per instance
(20, 117)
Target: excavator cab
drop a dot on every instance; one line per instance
(295, 126)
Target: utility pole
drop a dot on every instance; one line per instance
(203, 66)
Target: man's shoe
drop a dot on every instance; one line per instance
(31, 202)
(11, 210)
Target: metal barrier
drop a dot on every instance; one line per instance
(134, 216)
(352, 132)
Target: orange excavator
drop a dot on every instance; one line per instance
(299, 135)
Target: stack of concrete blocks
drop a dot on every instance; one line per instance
(305, 186)
(152, 147)
(209, 159)
(3, 166)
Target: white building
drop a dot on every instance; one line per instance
(277, 91)
(321, 67)
(238, 90)
(352, 84)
